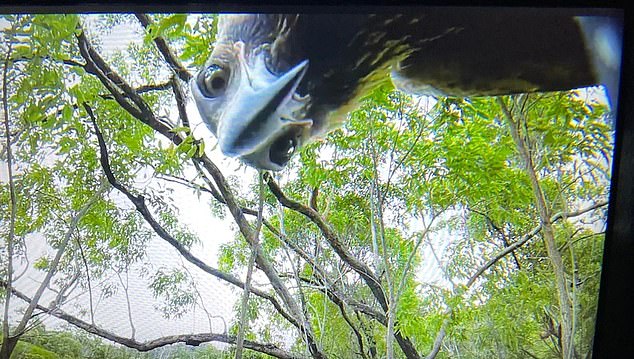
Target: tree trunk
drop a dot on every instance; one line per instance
(566, 319)
(8, 345)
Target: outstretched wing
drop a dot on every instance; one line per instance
(497, 53)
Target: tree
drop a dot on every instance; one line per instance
(497, 195)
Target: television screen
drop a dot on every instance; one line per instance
(414, 182)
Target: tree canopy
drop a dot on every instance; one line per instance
(435, 228)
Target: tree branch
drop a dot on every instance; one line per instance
(143, 89)
(529, 235)
(121, 91)
(139, 109)
(558, 216)
(328, 287)
(499, 231)
(338, 300)
(85, 263)
(261, 261)
(141, 207)
(55, 262)
(189, 339)
(67, 62)
(180, 100)
(357, 265)
(247, 281)
(168, 55)
(439, 338)
(361, 268)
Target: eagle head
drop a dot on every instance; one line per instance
(250, 102)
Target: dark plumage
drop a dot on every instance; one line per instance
(273, 82)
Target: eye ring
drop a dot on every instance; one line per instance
(213, 81)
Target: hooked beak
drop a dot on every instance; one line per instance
(262, 110)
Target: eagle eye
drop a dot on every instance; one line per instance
(213, 81)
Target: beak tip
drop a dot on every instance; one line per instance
(227, 147)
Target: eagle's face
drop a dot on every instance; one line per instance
(256, 114)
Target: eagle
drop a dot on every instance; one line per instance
(275, 82)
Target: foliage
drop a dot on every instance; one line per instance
(396, 215)
(42, 343)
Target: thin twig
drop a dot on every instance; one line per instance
(5, 351)
(529, 235)
(161, 44)
(85, 262)
(55, 262)
(126, 287)
(247, 282)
